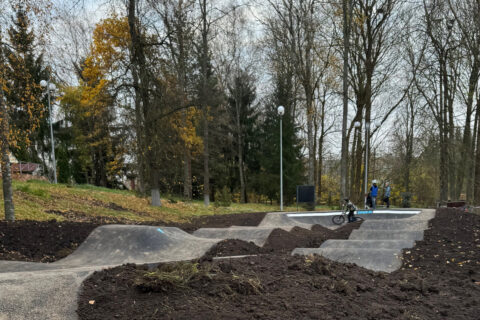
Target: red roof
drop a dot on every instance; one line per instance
(25, 167)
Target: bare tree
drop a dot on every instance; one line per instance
(376, 33)
(443, 51)
(296, 25)
(178, 21)
(347, 7)
(467, 17)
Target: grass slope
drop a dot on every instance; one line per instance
(40, 200)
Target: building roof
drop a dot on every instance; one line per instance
(24, 167)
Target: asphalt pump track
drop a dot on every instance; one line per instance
(49, 290)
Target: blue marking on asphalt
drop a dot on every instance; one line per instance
(364, 212)
(160, 230)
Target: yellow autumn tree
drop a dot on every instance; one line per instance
(92, 107)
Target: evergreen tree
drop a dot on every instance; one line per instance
(25, 71)
(242, 123)
(268, 153)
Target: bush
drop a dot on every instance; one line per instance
(223, 198)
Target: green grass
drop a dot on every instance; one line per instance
(34, 200)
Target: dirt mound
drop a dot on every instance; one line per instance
(233, 247)
(440, 279)
(248, 219)
(48, 241)
(281, 240)
(37, 241)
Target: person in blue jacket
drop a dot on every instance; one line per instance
(374, 193)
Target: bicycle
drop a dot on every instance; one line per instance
(340, 219)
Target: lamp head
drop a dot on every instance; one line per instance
(357, 124)
(281, 110)
(43, 83)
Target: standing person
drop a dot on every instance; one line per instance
(386, 194)
(374, 193)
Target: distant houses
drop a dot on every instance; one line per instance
(24, 168)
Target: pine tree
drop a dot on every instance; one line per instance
(25, 71)
(20, 105)
(243, 118)
(268, 179)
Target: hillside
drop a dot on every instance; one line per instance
(40, 200)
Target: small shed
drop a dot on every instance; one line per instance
(26, 168)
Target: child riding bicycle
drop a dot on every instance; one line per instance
(350, 207)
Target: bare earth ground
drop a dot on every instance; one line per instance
(440, 278)
(48, 241)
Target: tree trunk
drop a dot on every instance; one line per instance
(204, 97)
(465, 165)
(187, 174)
(310, 142)
(470, 178)
(476, 187)
(136, 54)
(320, 164)
(347, 15)
(206, 156)
(443, 133)
(240, 152)
(156, 202)
(352, 164)
(6, 170)
(358, 195)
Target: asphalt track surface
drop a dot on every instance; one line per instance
(377, 245)
(49, 290)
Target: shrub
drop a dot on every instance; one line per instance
(223, 198)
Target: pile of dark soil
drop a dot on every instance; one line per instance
(281, 241)
(233, 247)
(48, 241)
(41, 241)
(440, 279)
(247, 219)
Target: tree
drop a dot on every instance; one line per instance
(267, 180)
(27, 103)
(240, 99)
(24, 66)
(91, 108)
(207, 93)
(296, 25)
(347, 6)
(467, 17)
(177, 18)
(441, 102)
(376, 26)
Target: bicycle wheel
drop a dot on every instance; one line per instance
(338, 219)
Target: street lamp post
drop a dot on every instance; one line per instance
(368, 125)
(281, 112)
(50, 86)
